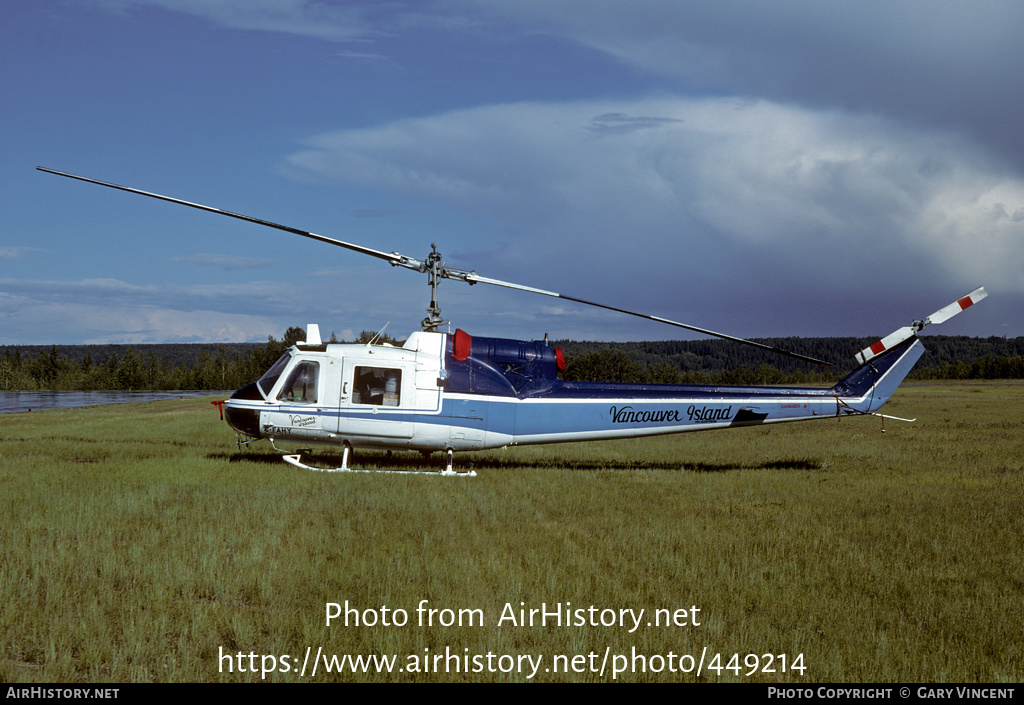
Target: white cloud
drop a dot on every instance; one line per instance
(680, 187)
(109, 310)
(115, 311)
(17, 252)
(322, 20)
(226, 262)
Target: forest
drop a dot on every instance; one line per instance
(220, 367)
(724, 362)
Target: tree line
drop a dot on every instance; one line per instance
(140, 368)
(230, 366)
(723, 362)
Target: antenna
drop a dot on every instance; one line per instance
(379, 334)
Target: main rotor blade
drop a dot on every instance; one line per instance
(396, 259)
(473, 277)
(392, 257)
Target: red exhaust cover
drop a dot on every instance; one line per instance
(463, 342)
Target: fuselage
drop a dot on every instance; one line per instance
(450, 391)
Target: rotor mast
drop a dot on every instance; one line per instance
(434, 273)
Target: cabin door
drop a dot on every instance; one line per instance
(377, 399)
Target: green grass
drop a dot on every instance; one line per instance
(137, 544)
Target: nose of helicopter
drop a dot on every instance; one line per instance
(245, 421)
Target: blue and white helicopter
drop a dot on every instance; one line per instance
(455, 392)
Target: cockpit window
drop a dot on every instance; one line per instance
(269, 378)
(301, 384)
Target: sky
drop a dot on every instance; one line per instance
(761, 169)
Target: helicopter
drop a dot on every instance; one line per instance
(448, 392)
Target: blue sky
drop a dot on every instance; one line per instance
(756, 168)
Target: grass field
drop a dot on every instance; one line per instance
(139, 546)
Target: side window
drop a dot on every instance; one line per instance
(380, 386)
(300, 386)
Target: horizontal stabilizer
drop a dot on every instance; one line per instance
(943, 314)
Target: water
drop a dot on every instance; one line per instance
(37, 401)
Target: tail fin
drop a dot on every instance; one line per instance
(870, 385)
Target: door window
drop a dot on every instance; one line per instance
(380, 386)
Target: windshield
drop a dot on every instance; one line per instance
(269, 379)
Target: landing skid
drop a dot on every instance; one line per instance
(850, 411)
(294, 459)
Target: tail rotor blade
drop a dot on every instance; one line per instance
(947, 312)
(907, 332)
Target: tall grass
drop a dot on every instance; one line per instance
(139, 546)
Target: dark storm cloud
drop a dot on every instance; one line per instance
(936, 63)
